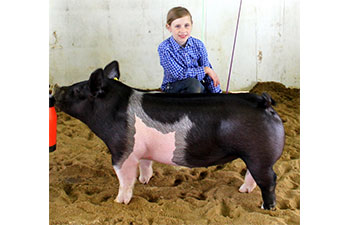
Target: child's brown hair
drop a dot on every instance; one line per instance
(176, 13)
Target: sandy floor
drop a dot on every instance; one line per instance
(83, 184)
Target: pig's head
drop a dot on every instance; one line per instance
(81, 100)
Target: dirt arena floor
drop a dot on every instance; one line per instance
(83, 184)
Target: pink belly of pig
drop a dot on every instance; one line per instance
(152, 144)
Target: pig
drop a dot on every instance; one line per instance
(191, 130)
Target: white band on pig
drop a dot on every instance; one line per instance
(180, 128)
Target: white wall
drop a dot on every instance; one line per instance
(88, 34)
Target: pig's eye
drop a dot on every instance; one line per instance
(78, 92)
(75, 92)
(78, 89)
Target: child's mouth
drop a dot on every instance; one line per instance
(182, 36)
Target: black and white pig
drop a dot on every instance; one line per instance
(192, 130)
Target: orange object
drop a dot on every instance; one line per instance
(52, 125)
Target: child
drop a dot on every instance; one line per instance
(185, 59)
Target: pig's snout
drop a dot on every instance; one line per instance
(58, 94)
(55, 89)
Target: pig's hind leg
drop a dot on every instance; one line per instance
(146, 170)
(265, 178)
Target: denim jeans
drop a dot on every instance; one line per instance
(189, 85)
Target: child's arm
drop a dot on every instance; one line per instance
(207, 67)
(211, 73)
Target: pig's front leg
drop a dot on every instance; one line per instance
(249, 183)
(126, 176)
(146, 170)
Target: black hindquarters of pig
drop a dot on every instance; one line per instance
(224, 126)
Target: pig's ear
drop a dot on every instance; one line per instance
(96, 82)
(112, 70)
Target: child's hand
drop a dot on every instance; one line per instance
(211, 73)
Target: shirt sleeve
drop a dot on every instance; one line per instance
(203, 61)
(176, 69)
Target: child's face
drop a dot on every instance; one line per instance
(181, 29)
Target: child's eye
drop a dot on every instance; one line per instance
(177, 26)
(187, 25)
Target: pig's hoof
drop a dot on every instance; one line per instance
(124, 197)
(247, 188)
(268, 206)
(145, 179)
(122, 200)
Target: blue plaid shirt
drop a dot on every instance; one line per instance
(180, 63)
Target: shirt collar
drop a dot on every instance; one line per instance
(177, 47)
